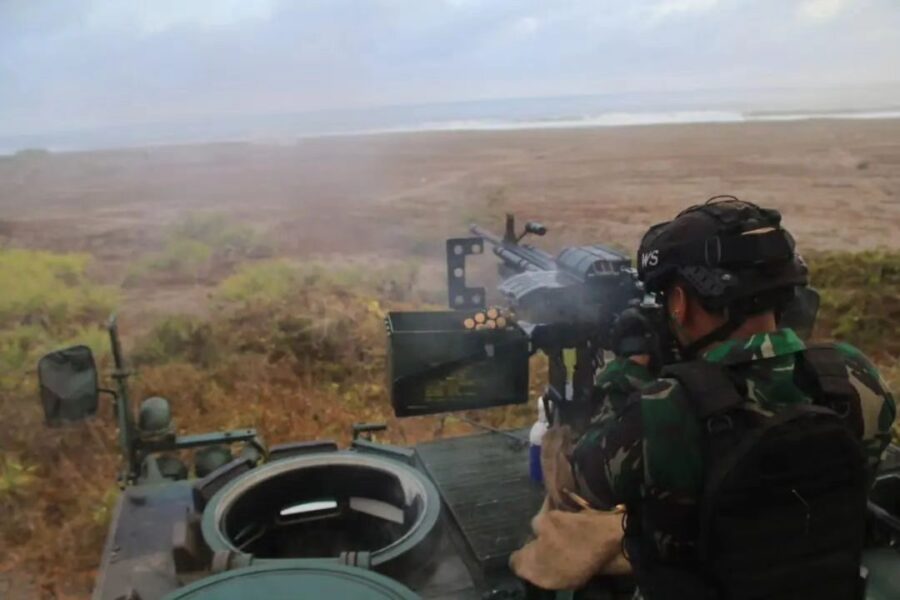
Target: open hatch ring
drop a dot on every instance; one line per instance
(324, 505)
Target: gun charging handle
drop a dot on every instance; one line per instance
(510, 237)
(367, 429)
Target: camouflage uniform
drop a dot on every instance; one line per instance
(647, 445)
(614, 385)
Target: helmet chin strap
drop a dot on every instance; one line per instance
(719, 334)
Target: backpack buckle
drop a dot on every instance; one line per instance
(719, 423)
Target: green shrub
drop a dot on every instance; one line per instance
(15, 477)
(266, 282)
(49, 289)
(860, 299)
(180, 259)
(48, 302)
(200, 247)
(222, 234)
(280, 281)
(854, 270)
(18, 347)
(178, 338)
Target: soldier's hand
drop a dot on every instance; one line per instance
(641, 359)
(634, 336)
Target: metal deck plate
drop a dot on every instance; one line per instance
(484, 482)
(138, 551)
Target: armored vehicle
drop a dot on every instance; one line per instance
(438, 520)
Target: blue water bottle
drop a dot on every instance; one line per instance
(534, 444)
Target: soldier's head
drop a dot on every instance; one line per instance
(718, 266)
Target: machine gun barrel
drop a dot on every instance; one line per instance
(493, 238)
(517, 256)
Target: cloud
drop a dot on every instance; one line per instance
(526, 26)
(463, 3)
(668, 8)
(162, 15)
(818, 11)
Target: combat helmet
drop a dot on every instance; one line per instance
(734, 256)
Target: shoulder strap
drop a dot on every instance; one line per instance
(708, 387)
(822, 372)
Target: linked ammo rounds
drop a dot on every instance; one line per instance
(492, 318)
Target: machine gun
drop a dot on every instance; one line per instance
(563, 306)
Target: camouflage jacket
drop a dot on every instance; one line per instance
(644, 439)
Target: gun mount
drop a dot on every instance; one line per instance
(437, 520)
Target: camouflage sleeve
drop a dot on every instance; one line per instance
(614, 383)
(607, 462)
(878, 407)
(653, 443)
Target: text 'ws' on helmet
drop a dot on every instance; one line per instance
(732, 254)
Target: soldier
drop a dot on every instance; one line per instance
(745, 467)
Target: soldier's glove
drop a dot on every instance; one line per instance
(572, 541)
(569, 548)
(557, 446)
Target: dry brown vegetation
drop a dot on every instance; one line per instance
(252, 281)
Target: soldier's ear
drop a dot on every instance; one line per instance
(678, 304)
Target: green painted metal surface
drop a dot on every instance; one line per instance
(884, 574)
(437, 365)
(296, 580)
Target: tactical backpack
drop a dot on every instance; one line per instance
(782, 513)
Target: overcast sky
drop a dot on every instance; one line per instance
(82, 63)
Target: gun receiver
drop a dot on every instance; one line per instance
(563, 306)
(564, 303)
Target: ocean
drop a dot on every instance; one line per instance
(607, 110)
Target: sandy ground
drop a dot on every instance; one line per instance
(837, 182)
